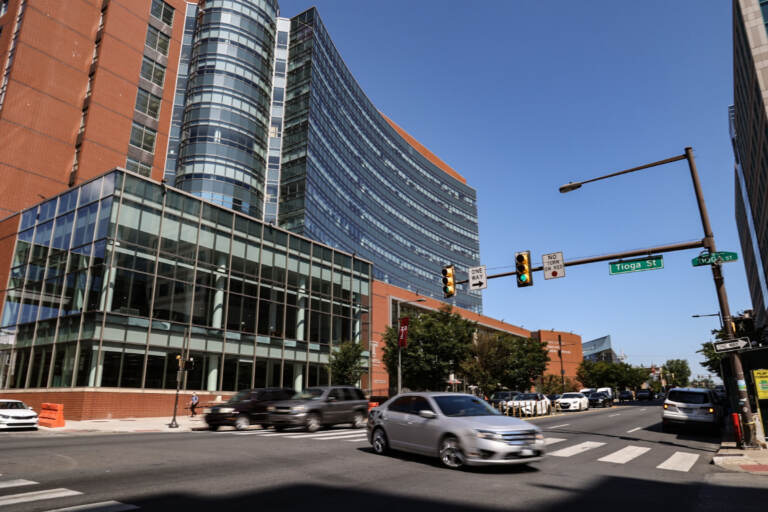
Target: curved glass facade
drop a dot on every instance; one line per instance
(223, 149)
(349, 180)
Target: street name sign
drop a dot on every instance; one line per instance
(477, 279)
(712, 258)
(638, 265)
(729, 345)
(553, 265)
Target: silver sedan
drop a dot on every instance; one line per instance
(458, 428)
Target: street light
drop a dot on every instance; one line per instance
(399, 348)
(710, 314)
(709, 244)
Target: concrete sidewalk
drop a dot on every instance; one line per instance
(132, 425)
(732, 458)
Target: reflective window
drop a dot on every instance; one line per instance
(143, 137)
(148, 103)
(162, 11)
(157, 40)
(153, 71)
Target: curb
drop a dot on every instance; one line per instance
(731, 458)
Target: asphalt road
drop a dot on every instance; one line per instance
(641, 469)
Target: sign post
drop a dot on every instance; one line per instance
(477, 278)
(553, 264)
(402, 341)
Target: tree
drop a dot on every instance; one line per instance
(599, 374)
(553, 384)
(712, 359)
(438, 341)
(744, 327)
(346, 364)
(676, 372)
(504, 361)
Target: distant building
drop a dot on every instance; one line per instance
(599, 349)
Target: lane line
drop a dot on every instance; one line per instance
(577, 449)
(612, 415)
(280, 434)
(641, 410)
(361, 435)
(36, 496)
(102, 506)
(356, 440)
(15, 483)
(561, 426)
(680, 461)
(321, 434)
(552, 440)
(625, 455)
(634, 430)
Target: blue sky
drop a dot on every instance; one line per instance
(520, 97)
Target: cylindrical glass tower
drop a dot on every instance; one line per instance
(223, 150)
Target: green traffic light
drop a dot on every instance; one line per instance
(523, 278)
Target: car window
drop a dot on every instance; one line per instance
(419, 403)
(240, 396)
(571, 395)
(688, 397)
(349, 394)
(401, 404)
(309, 393)
(12, 405)
(336, 393)
(527, 396)
(461, 405)
(359, 395)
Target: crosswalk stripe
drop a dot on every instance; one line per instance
(560, 426)
(36, 496)
(321, 434)
(346, 436)
(15, 483)
(280, 434)
(102, 506)
(634, 430)
(254, 433)
(680, 461)
(612, 415)
(552, 440)
(576, 449)
(625, 455)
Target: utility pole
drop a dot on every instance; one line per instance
(182, 359)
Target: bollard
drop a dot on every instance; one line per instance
(51, 415)
(737, 428)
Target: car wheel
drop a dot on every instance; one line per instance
(359, 420)
(313, 422)
(380, 443)
(242, 422)
(451, 454)
(213, 427)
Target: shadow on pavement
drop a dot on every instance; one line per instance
(434, 462)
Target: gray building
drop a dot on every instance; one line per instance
(599, 349)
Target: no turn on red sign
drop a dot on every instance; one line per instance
(553, 264)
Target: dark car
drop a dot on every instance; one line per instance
(247, 407)
(626, 396)
(600, 400)
(502, 397)
(553, 398)
(644, 394)
(321, 406)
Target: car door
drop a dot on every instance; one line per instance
(394, 421)
(334, 407)
(258, 406)
(420, 434)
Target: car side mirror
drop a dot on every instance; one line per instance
(426, 413)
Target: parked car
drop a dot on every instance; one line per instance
(587, 391)
(645, 394)
(600, 400)
(321, 406)
(457, 428)
(529, 404)
(626, 396)
(16, 414)
(573, 402)
(500, 397)
(607, 391)
(686, 406)
(553, 398)
(246, 407)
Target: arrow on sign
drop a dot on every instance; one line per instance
(729, 345)
(478, 284)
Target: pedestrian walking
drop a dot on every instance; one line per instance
(193, 404)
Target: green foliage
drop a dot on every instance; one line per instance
(677, 372)
(703, 382)
(553, 384)
(744, 327)
(502, 361)
(437, 344)
(711, 358)
(602, 374)
(346, 363)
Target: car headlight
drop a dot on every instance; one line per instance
(226, 409)
(297, 408)
(5, 417)
(487, 434)
(539, 436)
(271, 408)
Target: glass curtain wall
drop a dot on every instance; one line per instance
(112, 280)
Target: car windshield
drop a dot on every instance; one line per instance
(571, 395)
(688, 397)
(526, 396)
(309, 394)
(12, 405)
(459, 405)
(500, 394)
(240, 396)
(597, 395)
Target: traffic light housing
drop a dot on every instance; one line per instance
(524, 273)
(449, 281)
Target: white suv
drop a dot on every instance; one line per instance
(691, 406)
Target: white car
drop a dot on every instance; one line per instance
(529, 404)
(573, 402)
(687, 406)
(16, 414)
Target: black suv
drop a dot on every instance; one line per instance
(645, 394)
(600, 399)
(247, 407)
(502, 397)
(321, 406)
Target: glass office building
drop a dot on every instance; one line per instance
(111, 280)
(350, 179)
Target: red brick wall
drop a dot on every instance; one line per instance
(572, 353)
(8, 229)
(92, 404)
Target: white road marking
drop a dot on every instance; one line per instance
(15, 483)
(357, 440)
(561, 426)
(634, 430)
(280, 434)
(641, 410)
(576, 449)
(552, 440)
(254, 433)
(680, 461)
(321, 434)
(612, 415)
(346, 436)
(102, 506)
(625, 454)
(36, 496)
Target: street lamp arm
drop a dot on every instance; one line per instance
(575, 185)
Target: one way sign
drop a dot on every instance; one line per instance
(477, 279)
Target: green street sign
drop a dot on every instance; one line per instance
(638, 265)
(714, 257)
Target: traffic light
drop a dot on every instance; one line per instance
(189, 364)
(449, 281)
(524, 274)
